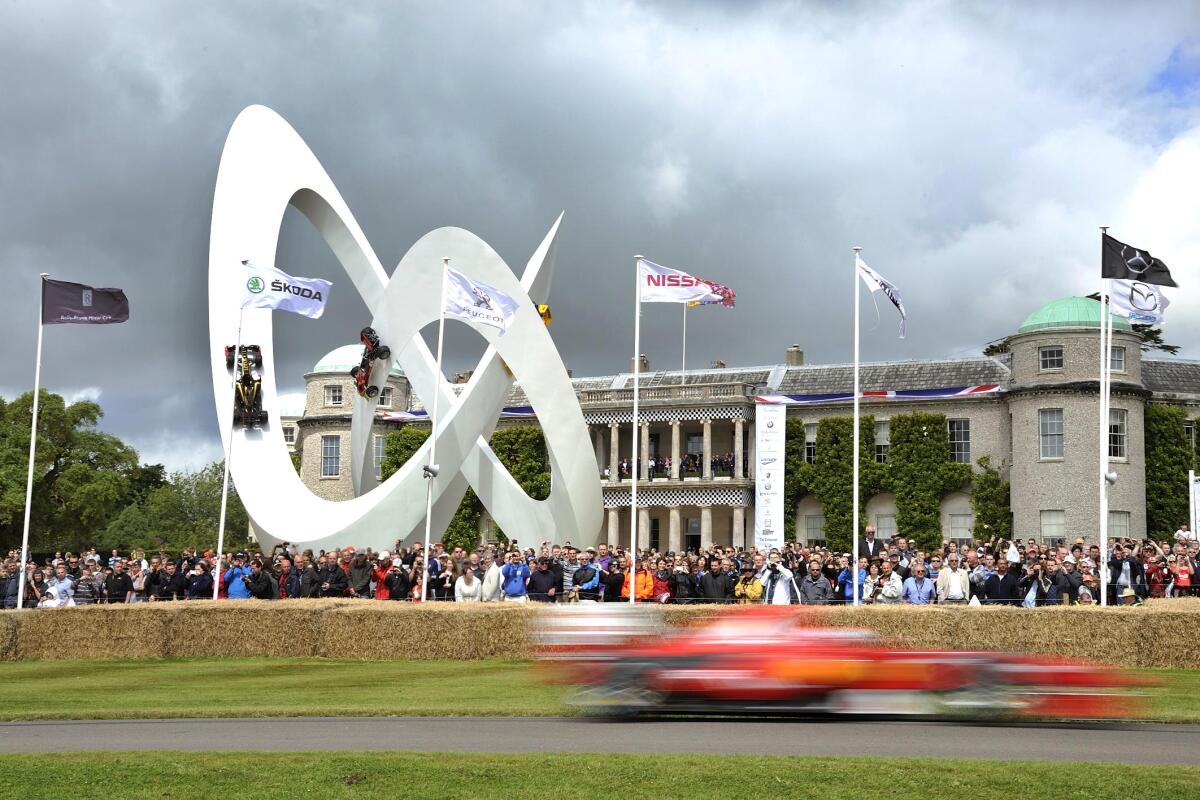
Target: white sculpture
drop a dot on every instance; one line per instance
(265, 167)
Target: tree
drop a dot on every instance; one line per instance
(922, 474)
(399, 447)
(1168, 459)
(82, 477)
(832, 475)
(797, 475)
(183, 512)
(990, 502)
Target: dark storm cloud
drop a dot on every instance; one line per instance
(753, 144)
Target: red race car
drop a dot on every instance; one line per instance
(764, 660)
(372, 351)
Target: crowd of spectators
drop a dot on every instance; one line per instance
(892, 572)
(690, 465)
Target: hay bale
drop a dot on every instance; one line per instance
(901, 626)
(8, 637)
(95, 632)
(1166, 638)
(247, 628)
(385, 631)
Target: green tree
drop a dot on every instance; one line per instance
(1168, 459)
(183, 512)
(832, 475)
(399, 447)
(922, 474)
(990, 502)
(797, 475)
(82, 476)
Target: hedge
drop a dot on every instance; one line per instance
(1159, 634)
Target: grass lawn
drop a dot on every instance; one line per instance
(277, 687)
(158, 775)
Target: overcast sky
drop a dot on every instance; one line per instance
(972, 149)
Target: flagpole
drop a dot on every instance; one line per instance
(430, 471)
(683, 357)
(854, 492)
(237, 352)
(1102, 400)
(37, 390)
(637, 371)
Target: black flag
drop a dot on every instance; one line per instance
(64, 302)
(1123, 262)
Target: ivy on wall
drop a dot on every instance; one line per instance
(1169, 456)
(797, 481)
(832, 474)
(922, 474)
(990, 502)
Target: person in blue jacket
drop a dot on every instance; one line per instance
(515, 578)
(235, 587)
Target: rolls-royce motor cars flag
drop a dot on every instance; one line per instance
(73, 303)
(477, 302)
(877, 283)
(1125, 262)
(659, 284)
(268, 287)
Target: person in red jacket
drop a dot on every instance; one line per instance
(379, 573)
(662, 582)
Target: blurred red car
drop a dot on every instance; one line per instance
(764, 660)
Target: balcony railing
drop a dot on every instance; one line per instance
(706, 391)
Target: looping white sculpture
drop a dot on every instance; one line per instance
(264, 168)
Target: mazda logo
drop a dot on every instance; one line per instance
(1143, 298)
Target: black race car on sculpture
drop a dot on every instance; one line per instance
(373, 351)
(247, 384)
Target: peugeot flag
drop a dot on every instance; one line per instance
(475, 301)
(1123, 262)
(658, 284)
(1139, 302)
(877, 283)
(267, 287)
(65, 303)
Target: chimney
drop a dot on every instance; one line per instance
(795, 356)
(645, 362)
(718, 364)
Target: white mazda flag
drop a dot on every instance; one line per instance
(877, 283)
(1142, 303)
(267, 287)
(659, 284)
(477, 302)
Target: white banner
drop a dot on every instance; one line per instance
(1141, 303)
(475, 301)
(267, 287)
(661, 284)
(770, 441)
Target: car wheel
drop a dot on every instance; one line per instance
(228, 362)
(262, 418)
(384, 353)
(354, 371)
(258, 359)
(372, 391)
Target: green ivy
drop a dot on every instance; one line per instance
(831, 476)
(1168, 459)
(798, 475)
(990, 502)
(922, 474)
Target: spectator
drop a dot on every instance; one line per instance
(778, 582)
(1003, 585)
(137, 578)
(716, 586)
(1067, 580)
(516, 579)
(358, 576)
(468, 588)
(200, 582)
(118, 587)
(613, 580)
(953, 584)
(235, 586)
(919, 590)
(642, 581)
(891, 585)
(60, 590)
(493, 580)
(815, 589)
(88, 589)
(334, 582)
(586, 578)
(873, 584)
(541, 583)
(1125, 572)
(173, 585)
(10, 579)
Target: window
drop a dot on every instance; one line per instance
(1050, 429)
(1118, 524)
(960, 440)
(695, 444)
(885, 526)
(814, 529)
(379, 443)
(385, 397)
(333, 394)
(1189, 430)
(960, 527)
(810, 443)
(1116, 359)
(1051, 357)
(882, 429)
(331, 456)
(1054, 526)
(289, 434)
(1116, 432)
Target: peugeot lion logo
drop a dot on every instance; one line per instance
(481, 299)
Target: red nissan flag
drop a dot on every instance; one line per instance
(65, 303)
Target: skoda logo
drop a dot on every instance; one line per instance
(255, 285)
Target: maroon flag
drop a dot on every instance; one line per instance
(64, 303)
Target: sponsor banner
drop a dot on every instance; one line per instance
(901, 394)
(511, 412)
(267, 287)
(659, 284)
(770, 425)
(65, 303)
(475, 301)
(1140, 303)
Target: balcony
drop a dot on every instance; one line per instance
(670, 395)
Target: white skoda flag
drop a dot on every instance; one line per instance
(475, 301)
(877, 283)
(1140, 303)
(267, 287)
(658, 284)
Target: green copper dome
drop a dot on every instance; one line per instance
(1070, 312)
(345, 357)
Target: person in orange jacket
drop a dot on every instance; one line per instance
(645, 582)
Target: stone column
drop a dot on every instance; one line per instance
(738, 427)
(644, 452)
(706, 527)
(598, 446)
(753, 446)
(614, 448)
(675, 530)
(707, 449)
(675, 450)
(614, 526)
(739, 526)
(644, 526)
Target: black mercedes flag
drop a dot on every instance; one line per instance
(1123, 262)
(64, 302)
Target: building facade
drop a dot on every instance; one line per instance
(696, 485)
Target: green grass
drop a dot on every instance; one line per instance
(158, 775)
(283, 687)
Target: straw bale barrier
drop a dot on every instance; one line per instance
(1159, 634)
